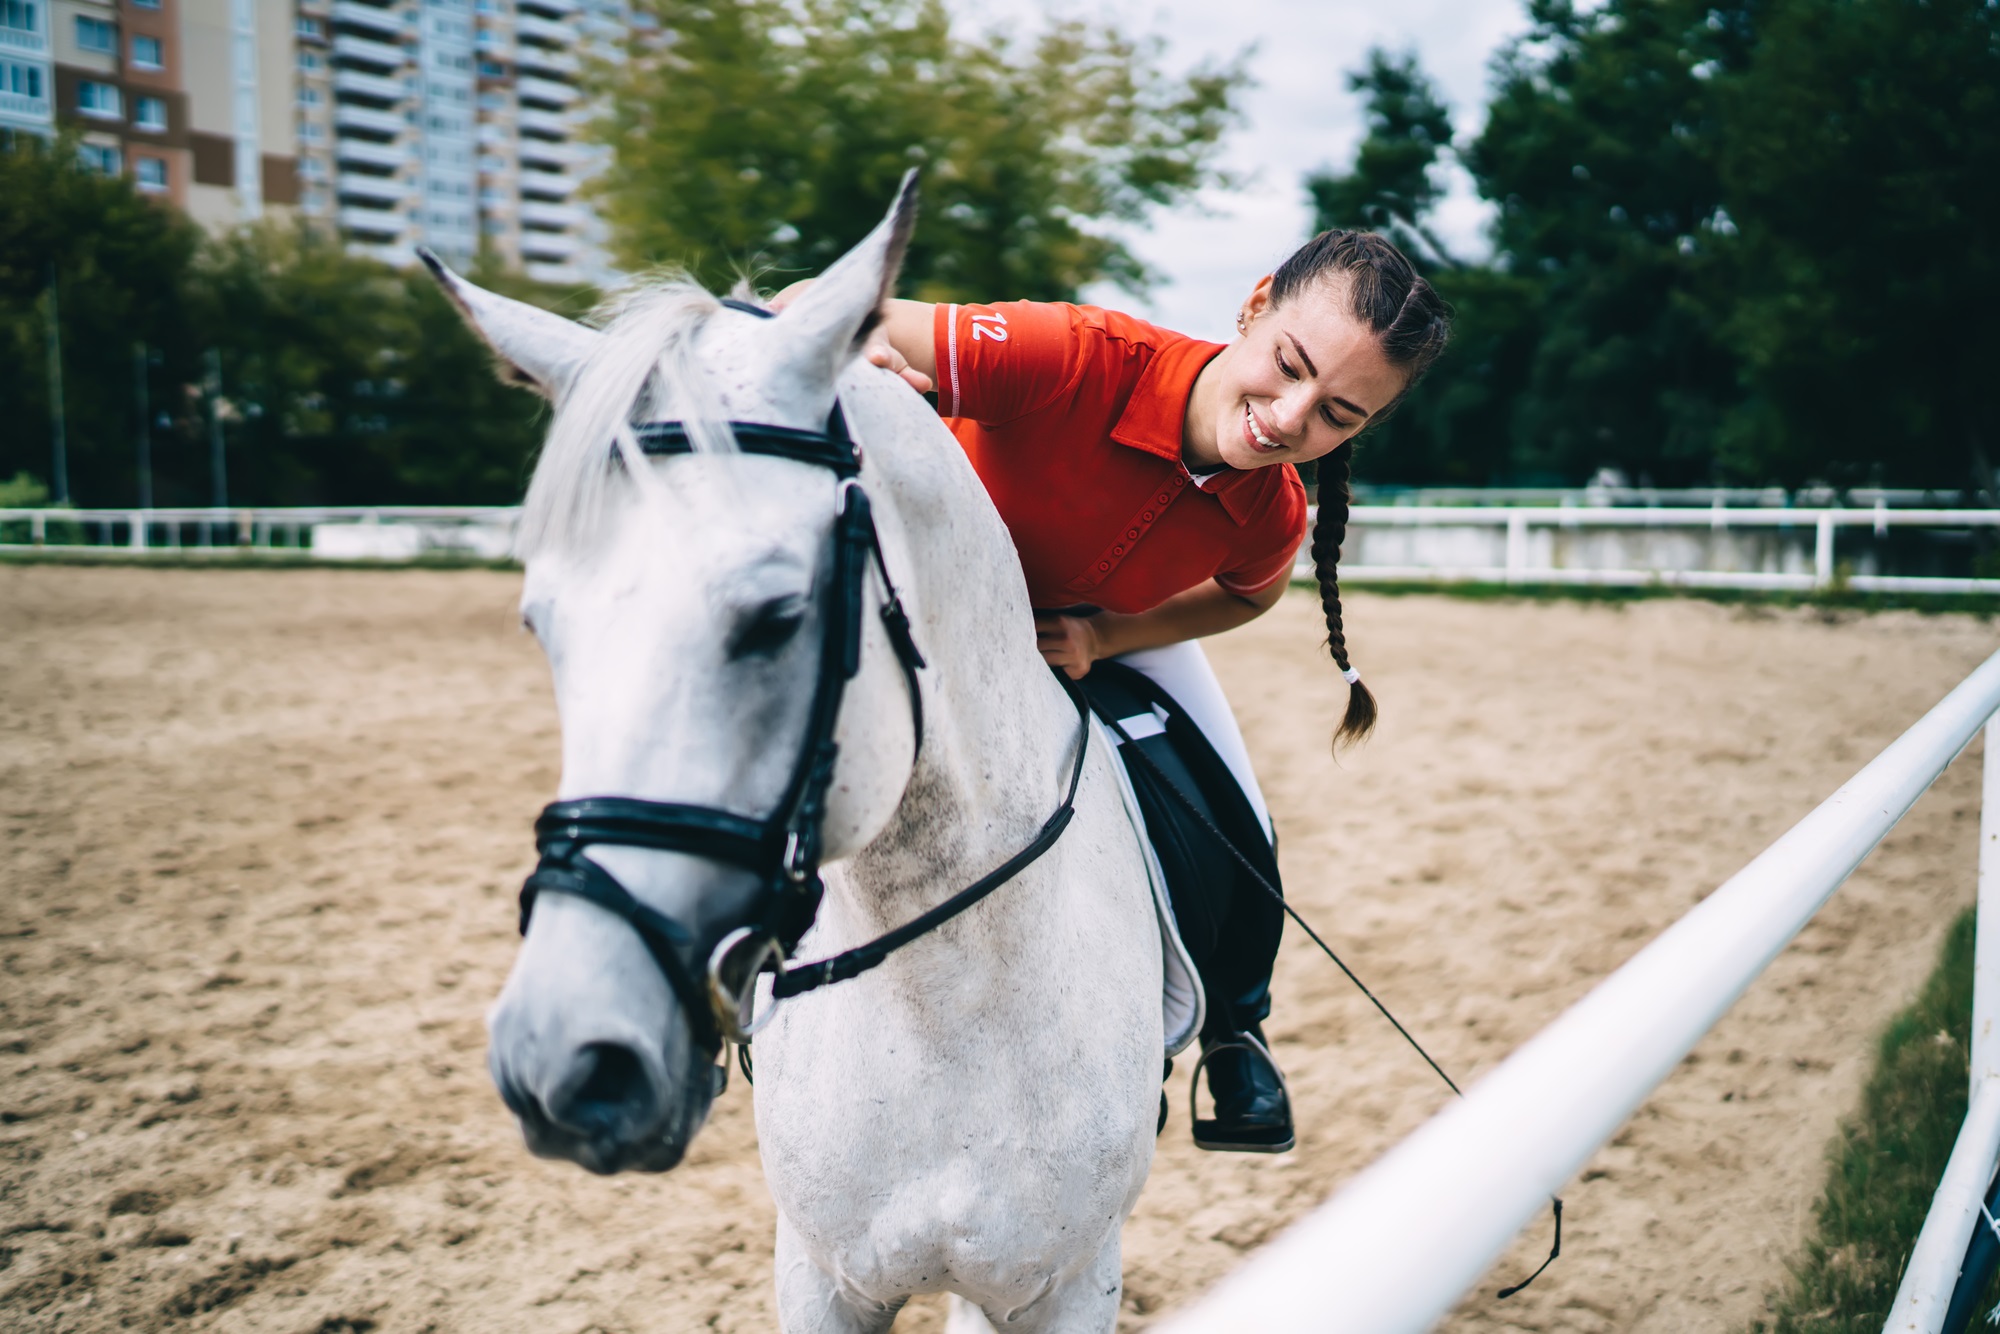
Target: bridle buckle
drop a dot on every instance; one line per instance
(735, 1003)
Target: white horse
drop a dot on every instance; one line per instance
(975, 1116)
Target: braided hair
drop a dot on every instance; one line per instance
(1412, 324)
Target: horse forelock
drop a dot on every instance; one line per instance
(644, 362)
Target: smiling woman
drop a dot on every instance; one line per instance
(1132, 466)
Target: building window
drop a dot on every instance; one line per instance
(145, 4)
(311, 60)
(148, 54)
(150, 113)
(492, 69)
(100, 158)
(309, 97)
(152, 174)
(308, 130)
(308, 27)
(98, 99)
(96, 35)
(20, 80)
(18, 15)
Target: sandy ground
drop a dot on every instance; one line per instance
(262, 833)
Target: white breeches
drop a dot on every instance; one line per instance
(1182, 671)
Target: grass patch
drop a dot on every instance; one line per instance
(1975, 604)
(1885, 1164)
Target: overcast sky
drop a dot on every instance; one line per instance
(1300, 116)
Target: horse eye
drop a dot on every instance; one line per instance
(768, 629)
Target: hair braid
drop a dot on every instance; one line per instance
(1329, 531)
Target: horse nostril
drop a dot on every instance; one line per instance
(607, 1085)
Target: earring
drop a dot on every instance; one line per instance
(1241, 326)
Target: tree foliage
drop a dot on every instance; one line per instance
(1736, 241)
(343, 381)
(767, 133)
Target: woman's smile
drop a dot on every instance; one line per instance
(1257, 435)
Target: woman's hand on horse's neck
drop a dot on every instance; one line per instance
(1073, 643)
(902, 342)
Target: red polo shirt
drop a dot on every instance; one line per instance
(1072, 417)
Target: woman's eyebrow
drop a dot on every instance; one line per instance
(1313, 371)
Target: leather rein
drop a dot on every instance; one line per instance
(783, 849)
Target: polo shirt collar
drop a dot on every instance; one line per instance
(1153, 416)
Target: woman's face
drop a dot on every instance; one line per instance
(1303, 379)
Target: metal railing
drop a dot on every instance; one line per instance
(1554, 545)
(352, 532)
(1396, 1247)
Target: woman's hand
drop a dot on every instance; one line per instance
(879, 350)
(1069, 642)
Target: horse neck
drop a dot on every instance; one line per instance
(1000, 735)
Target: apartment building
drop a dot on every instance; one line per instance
(452, 124)
(390, 123)
(27, 77)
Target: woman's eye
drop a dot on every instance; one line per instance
(1289, 373)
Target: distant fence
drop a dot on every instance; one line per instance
(1880, 548)
(326, 532)
(1719, 546)
(1398, 1245)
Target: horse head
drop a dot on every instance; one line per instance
(684, 604)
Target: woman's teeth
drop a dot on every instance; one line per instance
(1250, 419)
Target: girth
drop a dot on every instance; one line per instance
(783, 849)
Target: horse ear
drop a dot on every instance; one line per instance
(831, 319)
(537, 349)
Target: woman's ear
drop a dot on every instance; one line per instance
(1258, 302)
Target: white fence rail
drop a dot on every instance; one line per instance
(331, 532)
(1693, 547)
(1395, 1249)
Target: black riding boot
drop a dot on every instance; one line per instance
(1253, 1112)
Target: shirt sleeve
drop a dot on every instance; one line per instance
(1274, 560)
(996, 363)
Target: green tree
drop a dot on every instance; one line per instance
(769, 133)
(1394, 183)
(118, 261)
(1861, 162)
(1599, 150)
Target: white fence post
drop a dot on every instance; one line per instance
(138, 541)
(1823, 551)
(1517, 546)
(1986, 953)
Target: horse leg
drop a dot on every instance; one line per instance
(965, 1318)
(1085, 1303)
(811, 1301)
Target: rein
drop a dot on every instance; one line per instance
(782, 849)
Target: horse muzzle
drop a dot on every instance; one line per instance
(607, 1106)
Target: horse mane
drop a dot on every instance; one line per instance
(643, 363)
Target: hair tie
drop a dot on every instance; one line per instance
(1353, 677)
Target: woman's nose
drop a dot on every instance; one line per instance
(1290, 412)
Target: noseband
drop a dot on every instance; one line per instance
(783, 849)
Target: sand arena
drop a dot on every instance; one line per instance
(262, 832)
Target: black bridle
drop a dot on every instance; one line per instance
(783, 849)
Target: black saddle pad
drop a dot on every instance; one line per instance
(1228, 923)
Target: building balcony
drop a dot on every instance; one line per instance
(538, 59)
(546, 185)
(367, 120)
(369, 153)
(543, 92)
(553, 246)
(394, 254)
(548, 124)
(374, 18)
(547, 31)
(26, 108)
(375, 189)
(543, 153)
(374, 87)
(26, 41)
(535, 213)
(555, 8)
(379, 224)
(367, 51)
(553, 273)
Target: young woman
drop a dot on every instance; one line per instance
(1135, 469)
